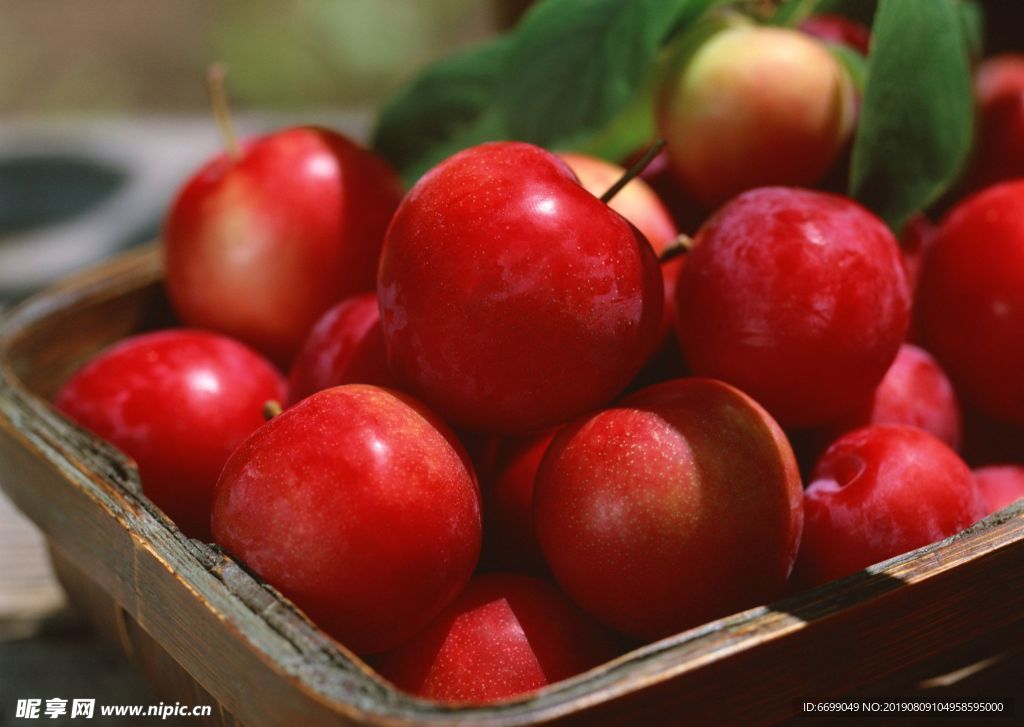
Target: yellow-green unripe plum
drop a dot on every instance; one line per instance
(754, 106)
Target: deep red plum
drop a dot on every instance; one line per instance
(799, 298)
(971, 300)
(878, 492)
(679, 505)
(358, 504)
(178, 402)
(260, 246)
(505, 635)
(511, 298)
(344, 347)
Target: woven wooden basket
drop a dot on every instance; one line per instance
(206, 632)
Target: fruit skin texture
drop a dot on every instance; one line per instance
(344, 347)
(999, 485)
(511, 299)
(358, 505)
(178, 402)
(799, 298)
(971, 300)
(878, 492)
(679, 505)
(505, 635)
(260, 247)
(753, 106)
(639, 204)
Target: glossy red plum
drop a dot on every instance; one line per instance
(357, 504)
(971, 300)
(679, 505)
(505, 635)
(799, 298)
(178, 402)
(878, 492)
(511, 298)
(345, 347)
(261, 246)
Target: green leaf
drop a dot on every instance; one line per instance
(576, 64)
(855, 64)
(973, 18)
(793, 12)
(447, 108)
(916, 120)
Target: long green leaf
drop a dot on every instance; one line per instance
(447, 108)
(915, 129)
(576, 64)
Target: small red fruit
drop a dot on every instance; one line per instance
(999, 87)
(357, 504)
(344, 347)
(878, 492)
(260, 246)
(505, 635)
(798, 298)
(971, 300)
(679, 505)
(511, 298)
(178, 402)
(1000, 486)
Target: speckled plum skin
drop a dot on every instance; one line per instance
(357, 504)
(259, 247)
(505, 635)
(877, 492)
(971, 300)
(345, 346)
(679, 505)
(1000, 485)
(178, 402)
(511, 298)
(639, 204)
(799, 298)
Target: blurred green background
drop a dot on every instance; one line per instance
(103, 56)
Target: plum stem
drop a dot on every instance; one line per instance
(634, 171)
(219, 101)
(679, 247)
(271, 409)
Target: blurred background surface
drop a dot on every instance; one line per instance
(104, 109)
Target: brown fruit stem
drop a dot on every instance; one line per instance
(634, 171)
(219, 101)
(271, 409)
(679, 247)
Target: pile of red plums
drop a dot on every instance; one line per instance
(516, 439)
